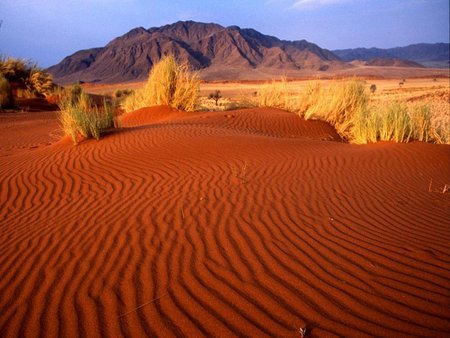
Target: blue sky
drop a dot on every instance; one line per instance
(48, 30)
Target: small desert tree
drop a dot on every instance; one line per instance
(75, 91)
(216, 96)
(373, 88)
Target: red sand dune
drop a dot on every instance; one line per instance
(244, 223)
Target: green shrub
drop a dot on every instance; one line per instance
(80, 117)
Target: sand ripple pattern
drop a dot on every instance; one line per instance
(247, 223)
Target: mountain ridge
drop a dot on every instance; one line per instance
(427, 54)
(209, 47)
(233, 53)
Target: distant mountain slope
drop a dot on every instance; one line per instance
(219, 51)
(429, 55)
(391, 62)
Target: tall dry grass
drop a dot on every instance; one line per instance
(5, 92)
(169, 83)
(79, 117)
(274, 94)
(339, 104)
(345, 105)
(398, 122)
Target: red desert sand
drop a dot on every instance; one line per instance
(243, 223)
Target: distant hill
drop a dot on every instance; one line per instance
(391, 62)
(429, 55)
(220, 52)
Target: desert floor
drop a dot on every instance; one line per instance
(239, 223)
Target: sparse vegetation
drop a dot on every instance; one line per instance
(79, 117)
(420, 119)
(358, 118)
(26, 76)
(216, 96)
(274, 94)
(339, 104)
(373, 88)
(169, 83)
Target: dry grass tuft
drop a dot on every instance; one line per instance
(80, 118)
(273, 94)
(5, 92)
(339, 104)
(169, 83)
(346, 106)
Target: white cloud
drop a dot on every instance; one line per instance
(314, 4)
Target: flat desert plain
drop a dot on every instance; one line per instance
(250, 222)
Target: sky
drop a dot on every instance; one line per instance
(46, 31)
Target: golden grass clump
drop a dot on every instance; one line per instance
(365, 127)
(79, 117)
(138, 99)
(395, 123)
(274, 94)
(36, 80)
(169, 83)
(5, 92)
(346, 106)
(338, 104)
(420, 119)
(440, 121)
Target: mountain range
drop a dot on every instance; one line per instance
(219, 53)
(427, 54)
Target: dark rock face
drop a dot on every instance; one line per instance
(204, 46)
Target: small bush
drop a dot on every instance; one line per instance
(169, 83)
(80, 117)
